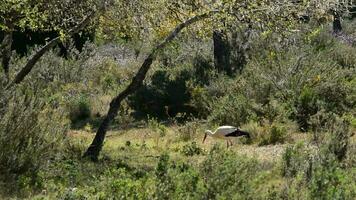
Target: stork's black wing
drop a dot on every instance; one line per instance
(238, 133)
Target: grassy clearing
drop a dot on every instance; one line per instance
(133, 158)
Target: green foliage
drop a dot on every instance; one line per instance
(296, 159)
(45, 15)
(305, 107)
(157, 127)
(189, 130)
(276, 134)
(305, 75)
(31, 133)
(79, 110)
(344, 55)
(166, 95)
(163, 92)
(339, 141)
(164, 184)
(319, 172)
(191, 149)
(124, 186)
(329, 182)
(227, 175)
(232, 109)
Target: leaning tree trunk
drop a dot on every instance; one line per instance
(20, 76)
(6, 51)
(97, 144)
(221, 52)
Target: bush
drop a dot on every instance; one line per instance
(328, 181)
(188, 131)
(296, 160)
(164, 184)
(122, 184)
(306, 105)
(31, 132)
(79, 110)
(344, 55)
(277, 134)
(228, 176)
(339, 141)
(191, 149)
(165, 97)
(231, 109)
(316, 173)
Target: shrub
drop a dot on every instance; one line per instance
(191, 149)
(228, 176)
(295, 160)
(335, 96)
(79, 110)
(317, 173)
(339, 139)
(122, 184)
(189, 130)
(306, 106)
(231, 109)
(321, 39)
(165, 96)
(328, 181)
(164, 184)
(157, 127)
(344, 55)
(276, 134)
(31, 132)
(203, 70)
(187, 181)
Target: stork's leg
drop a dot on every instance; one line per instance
(227, 144)
(231, 143)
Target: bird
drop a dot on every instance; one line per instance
(226, 132)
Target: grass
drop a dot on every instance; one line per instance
(145, 142)
(132, 156)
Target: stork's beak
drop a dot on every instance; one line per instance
(204, 137)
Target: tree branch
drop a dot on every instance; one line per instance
(5, 52)
(20, 76)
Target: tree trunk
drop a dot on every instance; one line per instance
(238, 58)
(221, 52)
(20, 76)
(97, 144)
(6, 51)
(337, 28)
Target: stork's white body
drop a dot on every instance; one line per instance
(222, 131)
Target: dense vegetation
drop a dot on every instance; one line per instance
(154, 76)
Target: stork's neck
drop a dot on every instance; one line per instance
(209, 132)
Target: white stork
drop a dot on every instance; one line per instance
(226, 132)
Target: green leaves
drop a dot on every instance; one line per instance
(44, 14)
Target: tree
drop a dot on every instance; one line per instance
(19, 77)
(267, 15)
(17, 14)
(96, 146)
(221, 52)
(40, 15)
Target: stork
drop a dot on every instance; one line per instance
(226, 132)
